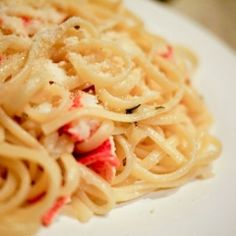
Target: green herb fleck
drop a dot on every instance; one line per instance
(124, 162)
(159, 107)
(51, 82)
(131, 110)
(76, 27)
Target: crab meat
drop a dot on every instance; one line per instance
(36, 198)
(168, 54)
(82, 129)
(105, 170)
(26, 20)
(83, 99)
(57, 144)
(50, 215)
(102, 160)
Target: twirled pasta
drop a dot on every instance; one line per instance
(94, 111)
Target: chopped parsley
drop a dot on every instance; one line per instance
(124, 162)
(131, 110)
(159, 107)
(77, 27)
(51, 82)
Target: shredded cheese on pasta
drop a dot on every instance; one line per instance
(94, 111)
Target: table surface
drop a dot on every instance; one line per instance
(219, 16)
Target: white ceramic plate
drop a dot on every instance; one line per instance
(201, 207)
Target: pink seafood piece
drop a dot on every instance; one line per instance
(81, 129)
(36, 198)
(83, 99)
(168, 54)
(102, 160)
(26, 20)
(50, 215)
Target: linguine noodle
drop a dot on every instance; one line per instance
(94, 111)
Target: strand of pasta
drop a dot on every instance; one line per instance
(49, 52)
(102, 113)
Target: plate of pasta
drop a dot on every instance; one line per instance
(116, 118)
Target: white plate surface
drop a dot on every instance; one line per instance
(201, 208)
